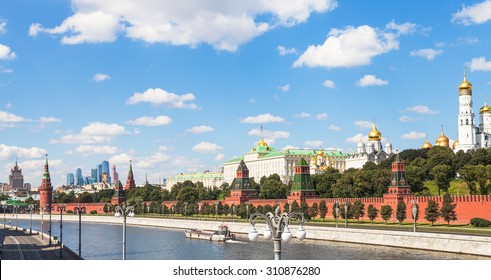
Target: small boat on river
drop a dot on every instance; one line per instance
(221, 235)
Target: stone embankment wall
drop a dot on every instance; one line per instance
(466, 244)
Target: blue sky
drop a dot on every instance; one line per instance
(182, 86)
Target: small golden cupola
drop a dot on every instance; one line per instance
(455, 144)
(485, 108)
(374, 135)
(427, 144)
(262, 143)
(442, 140)
(465, 88)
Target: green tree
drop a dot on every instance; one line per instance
(322, 209)
(314, 210)
(295, 206)
(432, 212)
(323, 182)
(386, 212)
(401, 214)
(448, 209)
(372, 212)
(468, 174)
(482, 178)
(442, 174)
(273, 188)
(286, 207)
(358, 210)
(304, 208)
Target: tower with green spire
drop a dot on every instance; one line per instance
(241, 187)
(46, 189)
(302, 186)
(399, 187)
(130, 181)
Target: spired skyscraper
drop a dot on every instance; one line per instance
(16, 179)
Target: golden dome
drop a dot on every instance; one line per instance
(485, 108)
(442, 140)
(455, 144)
(320, 153)
(262, 143)
(374, 135)
(465, 88)
(426, 145)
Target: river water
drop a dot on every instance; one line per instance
(104, 242)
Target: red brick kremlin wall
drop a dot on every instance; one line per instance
(99, 207)
(468, 206)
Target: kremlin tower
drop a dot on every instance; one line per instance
(46, 190)
(130, 181)
(241, 187)
(302, 186)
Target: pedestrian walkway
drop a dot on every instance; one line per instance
(20, 245)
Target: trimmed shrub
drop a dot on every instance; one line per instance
(93, 212)
(69, 211)
(479, 222)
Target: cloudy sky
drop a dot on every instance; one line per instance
(182, 86)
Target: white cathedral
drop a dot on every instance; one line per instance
(471, 136)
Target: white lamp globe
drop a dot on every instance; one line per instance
(253, 235)
(286, 236)
(117, 214)
(267, 233)
(301, 233)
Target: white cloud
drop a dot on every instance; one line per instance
(223, 24)
(313, 143)
(329, 84)
(163, 149)
(263, 118)
(100, 77)
(122, 158)
(81, 139)
(104, 129)
(284, 51)
(6, 53)
(405, 119)
(206, 147)
(92, 149)
(159, 96)
(219, 156)
(151, 161)
(334, 127)
(3, 23)
(413, 135)
(349, 47)
(48, 120)
(6, 117)
(284, 88)
(200, 129)
(357, 138)
(302, 115)
(363, 124)
(480, 64)
(371, 80)
(428, 54)
(290, 147)
(149, 121)
(252, 100)
(421, 109)
(475, 14)
(403, 29)
(269, 134)
(322, 116)
(9, 105)
(9, 152)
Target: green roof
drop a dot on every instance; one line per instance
(196, 176)
(294, 152)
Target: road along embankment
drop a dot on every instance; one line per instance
(454, 243)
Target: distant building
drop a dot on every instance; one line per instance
(115, 176)
(93, 175)
(80, 177)
(105, 170)
(16, 179)
(70, 179)
(209, 179)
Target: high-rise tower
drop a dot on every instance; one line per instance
(16, 179)
(467, 133)
(46, 190)
(115, 177)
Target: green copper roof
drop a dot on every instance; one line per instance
(302, 162)
(197, 176)
(294, 152)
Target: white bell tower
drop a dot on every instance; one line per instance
(467, 131)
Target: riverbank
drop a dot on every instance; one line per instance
(453, 243)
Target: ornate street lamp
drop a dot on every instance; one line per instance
(216, 211)
(80, 210)
(233, 212)
(31, 208)
(173, 210)
(346, 213)
(247, 208)
(186, 210)
(414, 209)
(277, 228)
(16, 209)
(49, 231)
(61, 209)
(336, 209)
(41, 209)
(4, 206)
(199, 209)
(125, 211)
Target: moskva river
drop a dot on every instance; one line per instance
(104, 242)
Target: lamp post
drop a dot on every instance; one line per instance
(49, 231)
(80, 209)
(247, 208)
(16, 209)
(233, 212)
(124, 211)
(143, 209)
(31, 208)
(173, 210)
(199, 209)
(185, 210)
(414, 209)
(346, 213)
(61, 208)
(4, 206)
(216, 211)
(41, 209)
(277, 228)
(336, 209)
